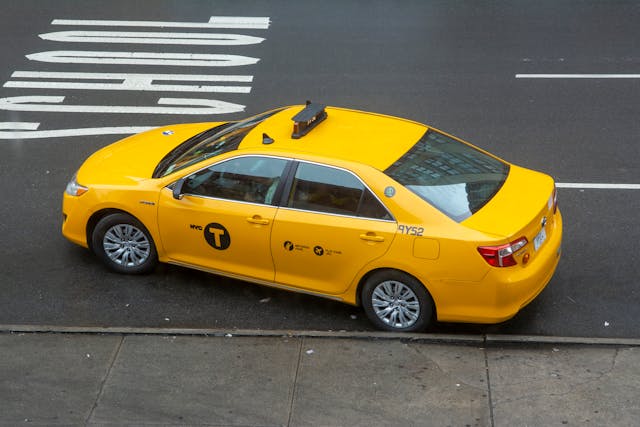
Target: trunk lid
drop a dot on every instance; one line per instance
(521, 208)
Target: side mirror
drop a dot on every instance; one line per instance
(177, 189)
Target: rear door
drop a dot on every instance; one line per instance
(330, 226)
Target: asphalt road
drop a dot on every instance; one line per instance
(450, 64)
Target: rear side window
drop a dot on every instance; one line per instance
(452, 176)
(325, 189)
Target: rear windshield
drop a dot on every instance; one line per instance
(452, 176)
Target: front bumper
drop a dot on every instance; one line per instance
(74, 219)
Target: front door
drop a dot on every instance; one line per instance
(223, 221)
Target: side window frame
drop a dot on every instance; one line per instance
(288, 188)
(278, 189)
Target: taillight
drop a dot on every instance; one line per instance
(502, 256)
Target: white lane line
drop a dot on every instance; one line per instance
(577, 76)
(596, 186)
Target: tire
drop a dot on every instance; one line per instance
(395, 301)
(124, 245)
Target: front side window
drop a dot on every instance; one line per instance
(326, 189)
(251, 179)
(452, 176)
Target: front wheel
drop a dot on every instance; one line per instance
(395, 301)
(124, 244)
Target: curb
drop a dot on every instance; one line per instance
(534, 339)
(481, 339)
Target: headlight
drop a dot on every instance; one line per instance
(75, 189)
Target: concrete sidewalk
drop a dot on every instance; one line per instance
(139, 379)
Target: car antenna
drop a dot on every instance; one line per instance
(266, 139)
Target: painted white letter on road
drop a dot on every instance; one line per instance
(46, 104)
(210, 39)
(142, 58)
(142, 82)
(28, 130)
(243, 22)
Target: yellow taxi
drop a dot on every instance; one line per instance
(409, 222)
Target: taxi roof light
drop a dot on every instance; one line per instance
(310, 117)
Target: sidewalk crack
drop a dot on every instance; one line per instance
(489, 397)
(295, 381)
(114, 357)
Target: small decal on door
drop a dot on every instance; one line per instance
(217, 236)
(318, 250)
(290, 246)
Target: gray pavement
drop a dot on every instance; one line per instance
(323, 379)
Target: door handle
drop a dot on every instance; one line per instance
(257, 219)
(372, 237)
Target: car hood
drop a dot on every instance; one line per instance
(518, 207)
(134, 158)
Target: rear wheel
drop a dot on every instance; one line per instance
(395, 301)
(124, 244)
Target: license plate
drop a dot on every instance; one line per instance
(539, 239)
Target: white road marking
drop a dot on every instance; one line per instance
(132, 81)
(129, 81)
(597, 186)
(243, 22)
(123, 76)
(209, 39)
(28, 130)
(577, 76)
(142, 58)
(43, 104)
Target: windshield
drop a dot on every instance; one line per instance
(212, 142)
(454, 177)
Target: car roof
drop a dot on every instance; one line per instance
(373, 139)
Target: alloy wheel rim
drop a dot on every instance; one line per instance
(126, 245)
(395, 304)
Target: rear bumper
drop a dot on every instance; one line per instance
(505, 291)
